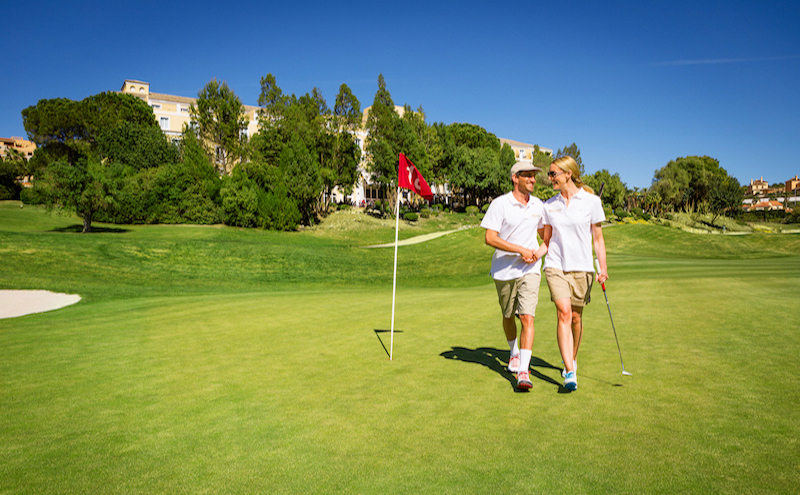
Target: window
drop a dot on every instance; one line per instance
(155, 106)
(521, 154)
(164, 122)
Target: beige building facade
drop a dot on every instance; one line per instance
(172, 113)
(19, 145)
(524, 151)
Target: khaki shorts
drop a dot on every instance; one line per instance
(575, 286)
(521, 294)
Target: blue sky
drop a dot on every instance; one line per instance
(634, 84)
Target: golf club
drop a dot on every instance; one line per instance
(603, 285)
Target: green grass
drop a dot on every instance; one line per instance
(220, 360)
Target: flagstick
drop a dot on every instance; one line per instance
(394, 277)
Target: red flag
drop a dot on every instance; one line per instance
(410, 178)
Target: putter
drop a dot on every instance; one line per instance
(603, 285)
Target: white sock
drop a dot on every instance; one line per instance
(524, 359)
(512, 344)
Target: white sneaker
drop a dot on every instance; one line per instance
(524, 381)
(513, 364)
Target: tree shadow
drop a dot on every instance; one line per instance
(497, 360)
(95, 230)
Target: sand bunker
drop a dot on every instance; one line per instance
(15, 303)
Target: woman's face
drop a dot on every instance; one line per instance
(558, 177)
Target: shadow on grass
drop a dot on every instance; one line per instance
(496, 360)
(95, 230)
(378, 333)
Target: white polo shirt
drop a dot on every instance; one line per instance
(518, 224)
(570, 248)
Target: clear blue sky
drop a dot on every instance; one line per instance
(635, 84)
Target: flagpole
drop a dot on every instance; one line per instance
(394, 276)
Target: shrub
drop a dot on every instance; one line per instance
(29, 196)
(485, 207)
(621, 213)
(411, 216)
(472, 210)
(240, 203)
(277, 210)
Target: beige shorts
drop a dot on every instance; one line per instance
(521, 294)
(575, 286)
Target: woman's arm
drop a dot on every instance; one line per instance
(600, 251)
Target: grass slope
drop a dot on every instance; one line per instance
(216, 360)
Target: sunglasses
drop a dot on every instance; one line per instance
(553, 175)
(527, 174)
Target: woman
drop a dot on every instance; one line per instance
(571, 226)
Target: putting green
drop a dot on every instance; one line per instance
(190, 366)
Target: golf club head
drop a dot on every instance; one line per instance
(627, 373)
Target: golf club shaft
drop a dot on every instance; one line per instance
(613, 327)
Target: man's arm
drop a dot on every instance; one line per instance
(493, 239)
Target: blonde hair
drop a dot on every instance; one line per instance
(568, 164)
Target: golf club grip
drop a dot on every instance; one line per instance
(599, 271)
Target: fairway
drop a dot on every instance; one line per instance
(221, 360)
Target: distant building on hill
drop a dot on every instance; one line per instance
(757, 187)
(12, 145)
(172, 113)
(524, 151)
(792, 185)
(765, 205)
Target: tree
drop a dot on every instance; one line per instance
(85, 187)
(302, 177)
(686, 182)
(725, 195)
(543, 189)
(346, 154)
(381, 147)
(614, 191)
(472, 162)
(12, 166)
(347, 109)
(136, 146)
(573, 151)
(221, 119)
(271, 100)
(70, 169)
(307, 126)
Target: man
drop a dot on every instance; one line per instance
(512, 222)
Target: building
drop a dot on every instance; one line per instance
(792, 185)
(172, 112)
(524, 151)
(21, 146)
(765, 205)
(757, 187)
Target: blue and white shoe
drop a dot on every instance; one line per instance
(564, 370)
(570, 381)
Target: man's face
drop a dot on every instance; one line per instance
(526, 180)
